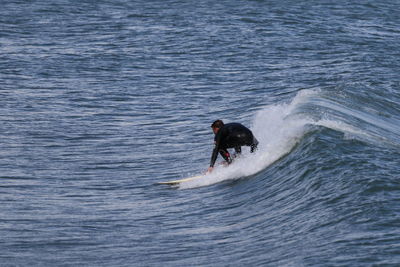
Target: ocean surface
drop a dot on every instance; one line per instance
(100, 100)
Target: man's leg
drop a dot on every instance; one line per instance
(225, 154)
(238, 151)
(253, 146)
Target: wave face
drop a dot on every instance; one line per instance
(281, 127)
(100, 100)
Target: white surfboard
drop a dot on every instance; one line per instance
(177, 182)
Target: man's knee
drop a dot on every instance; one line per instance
(225, 154)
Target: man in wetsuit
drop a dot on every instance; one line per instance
(230, 135)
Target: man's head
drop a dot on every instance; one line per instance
(218, 124)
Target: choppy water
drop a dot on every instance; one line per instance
(99, 100)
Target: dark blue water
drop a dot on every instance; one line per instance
(100, 100)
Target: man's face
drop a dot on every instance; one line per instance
(215, 130)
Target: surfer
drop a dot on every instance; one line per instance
(230, 135)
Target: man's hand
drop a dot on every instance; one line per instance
(209, 170)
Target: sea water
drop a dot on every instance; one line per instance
(100, 100)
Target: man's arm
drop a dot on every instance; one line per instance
(214, 154)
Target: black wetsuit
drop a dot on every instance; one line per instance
(232, 135)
